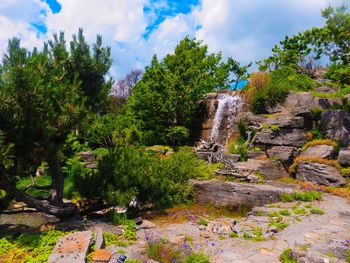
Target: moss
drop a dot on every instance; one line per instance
(275, 128)
(284, 212)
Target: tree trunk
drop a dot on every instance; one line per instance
(62, 211)
(56, 192)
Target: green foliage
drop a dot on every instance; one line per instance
(197, 258)
(299, 211)
(177, 135)
(233, 235)
(168, 92)
(132, 260)
(305, 196)
(317, 211)
(287, 256)
(286, 197)
(112, 239)
(345, 172)
(126, 172)
(339, 73)
(284, 212)
(275, 128)
(45, 95)
(202, 222)
(29, 248)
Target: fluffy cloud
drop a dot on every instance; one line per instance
(16, 20)
(137, 29)
(122, 20)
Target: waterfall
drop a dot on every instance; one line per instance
(228, 107)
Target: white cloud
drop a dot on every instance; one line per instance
(243, 29)
(121, 20)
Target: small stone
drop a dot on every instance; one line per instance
(204, 235)
(101, 255)
(147, 225)
(178, 240)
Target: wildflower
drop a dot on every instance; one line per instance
(173, 260)
(291, 254)
(213, 244)
(221, 251)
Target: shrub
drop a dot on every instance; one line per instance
(126, 173)
(284, 212)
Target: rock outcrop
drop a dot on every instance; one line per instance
(234, 195)
(336, 125)
(268, 169)
(319, 151)
(285, 154)
(284, 137)
(319, 173)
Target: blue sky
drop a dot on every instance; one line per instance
(136, 29)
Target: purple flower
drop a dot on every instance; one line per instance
(213, 244)
(291, 254)
(347, 245)
(347, 241)
(173, 260)
(222, 251)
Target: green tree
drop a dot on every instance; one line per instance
(44, 97)
(168, 92)
(332, 40)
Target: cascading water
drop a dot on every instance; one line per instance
(228, 107)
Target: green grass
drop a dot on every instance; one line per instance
(300, 211)
(304, 196)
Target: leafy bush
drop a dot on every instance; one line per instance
(126, 173)
(276, 90)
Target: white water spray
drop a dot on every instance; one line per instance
(228, 107)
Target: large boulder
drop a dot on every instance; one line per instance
(319, 151)
(283, 137)
(286, 121)
(285, 154)
(71, 248)
(234, 195)
(344, 157)
(336, 125)
(319, 173)
(269, 169)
